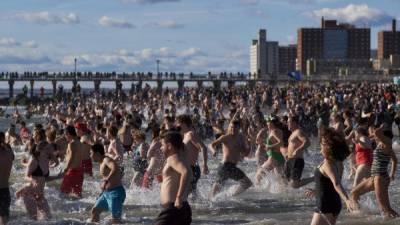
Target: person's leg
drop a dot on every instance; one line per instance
(96, 214)
(44, 208)
(30, 204)
(323, 219)
(260, 156)
(77, 188)
(244, 184)
(100, 206)
(216, 189)
(381, 184)
(266, 166)
(116, 204)
(365, 186)
(362, 172)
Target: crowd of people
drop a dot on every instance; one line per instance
(163, 135)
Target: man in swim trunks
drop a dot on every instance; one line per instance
(234, 148)
(298, 143)
(113, 196)
(81, 130)
(73, 178)
(193, 146)
(6, 162)
(175, 188)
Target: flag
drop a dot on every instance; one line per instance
(295, 74)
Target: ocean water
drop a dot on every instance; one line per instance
(267, 204)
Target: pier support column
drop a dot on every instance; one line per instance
(181, 84)
(97, 86)
(251, 84)
(32, 82)
(200, 84)
(159, 86)
(54, 82)
(217, 84)
(231, 84)
(74, 87)
(11, 88)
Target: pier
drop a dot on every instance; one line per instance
(180, 79)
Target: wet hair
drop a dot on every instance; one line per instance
(336, 146)
(155, 131)
(169, 119)
(41, 134)
(38, 126)
(113, 131)
(185, 119)
(34, 151)
(98, 148)
(70, 130)
(388, 134)
(236, 123)
(72, 107)
(51, 134)
(140, 136)
(362, 131)
(294, 119)
(174, 138)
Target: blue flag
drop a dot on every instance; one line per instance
(295, 74)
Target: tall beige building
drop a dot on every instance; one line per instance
(258, 55)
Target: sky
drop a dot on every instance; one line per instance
(185, 35)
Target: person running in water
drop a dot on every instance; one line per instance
(113, 193)
(82, 132)
(298, 143)
(177, 178)
(156, 160)
(33, 192)
(6, 162)
(234, 148)
(273, 146)
(73, 178)
(115, 149)
(380, 177)
(139, 159)
(193, 146)
(328, 175)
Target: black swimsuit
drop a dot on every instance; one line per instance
(38, 172)
(328, 200)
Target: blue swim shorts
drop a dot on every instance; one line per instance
(112, 200)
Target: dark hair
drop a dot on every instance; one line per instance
(169, 119)
(336, 146)
(388, 134)
(41, 134)
(362, 130)
(185, 119)
(294, 119)
(174, 138)
(70, 130)
(98, 148)
(236, 123)
(33, 151)
(113, 131)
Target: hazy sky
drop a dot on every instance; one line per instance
(186, 35)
